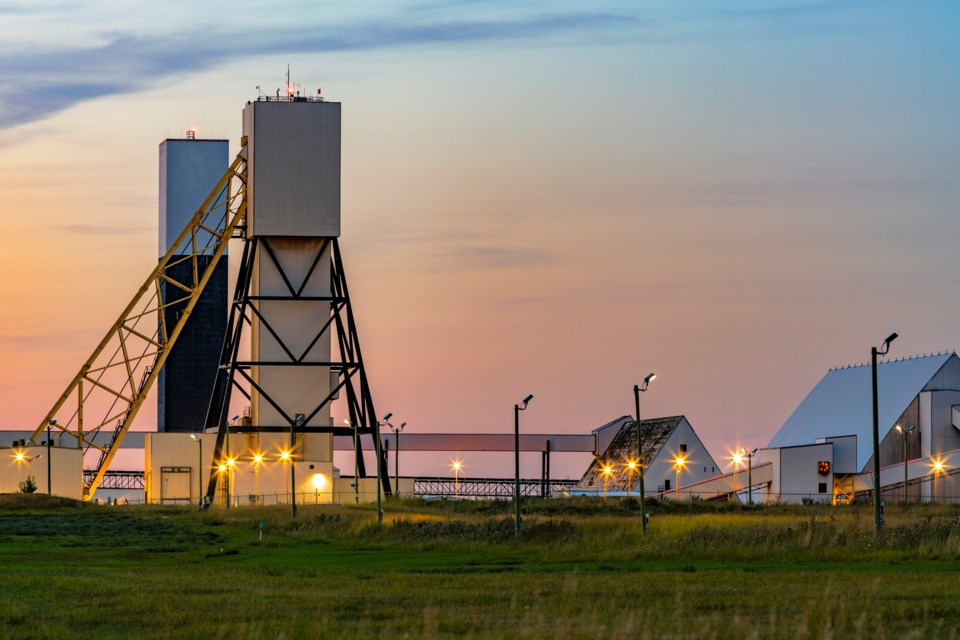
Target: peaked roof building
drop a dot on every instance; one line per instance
(664, 439)
(917, 391)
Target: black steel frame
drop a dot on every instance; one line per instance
(235, 374)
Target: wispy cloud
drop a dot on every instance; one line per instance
(127, 62)
(105, 230)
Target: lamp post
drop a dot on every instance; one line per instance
(631, 465)
(678, 464)
(257, 460)
(356, 462)
(874, 352)
(456, 465)
(385, 421)
(906, 477)
(232, 422)
(49, 458)
(199, 442)
(285, 459)
(298, 421)
(737, 458)
(517, 408)
(937, 470)
(750, 476)
(637, 390)
(396, 459)
(21, 457)
(607, 470)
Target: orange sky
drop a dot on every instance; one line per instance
(736, 201)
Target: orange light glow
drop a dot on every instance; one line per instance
(607, 470)
(631, 464)
(456, 465)
(257, 459)
(284, 455)
(679, 462)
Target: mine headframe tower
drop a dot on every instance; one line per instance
(291, 294)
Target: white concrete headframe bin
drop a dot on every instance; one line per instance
(303, 344)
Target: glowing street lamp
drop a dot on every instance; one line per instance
(456, 465)
(607, 471)
(631, 466)
(938, 468)
(637, 390)
(21, 457)
(517, 408)
(874, 352)
(199, 442)
(284, 459)
(678, 464)
(737, 458)
(906, 477)
(257, 461)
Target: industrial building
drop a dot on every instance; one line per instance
(189, 167)
(672, 455)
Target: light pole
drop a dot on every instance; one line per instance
(637, 390)
(517, 408)
(396, 459)
(631, 465)
(232, 422)
(385, 421)
(750, 476)
(21, 457)
(49, 458)
(257, 460)
(607, 470)
(456, 465)
(298, 421)
(906, 477)
(199, 442)
(874, 352)
(285, 459)
(356, 462)
(737, 458)
(937, 470)
(678, 464)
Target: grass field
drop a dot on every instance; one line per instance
(581, 569)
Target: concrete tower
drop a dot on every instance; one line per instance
(188, 168)
(293, 209)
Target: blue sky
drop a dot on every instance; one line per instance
(553, 198)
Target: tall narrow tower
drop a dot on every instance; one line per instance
(187, 169)
(292, 296)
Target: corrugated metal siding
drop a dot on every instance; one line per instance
(840, 404)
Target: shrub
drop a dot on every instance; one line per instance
(28, 486)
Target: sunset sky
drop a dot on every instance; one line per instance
(544, 197)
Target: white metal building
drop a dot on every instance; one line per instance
(665, 439)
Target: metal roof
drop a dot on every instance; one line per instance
(841, 403)
(623, 446)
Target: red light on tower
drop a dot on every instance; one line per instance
(192, 133)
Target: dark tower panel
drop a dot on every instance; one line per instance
(188, 170)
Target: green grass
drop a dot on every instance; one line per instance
(581, 569)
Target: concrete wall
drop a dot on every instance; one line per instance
(174, 473)
(66, 470)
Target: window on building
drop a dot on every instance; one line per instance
(666, 485)
(823, 487)
(683, 448)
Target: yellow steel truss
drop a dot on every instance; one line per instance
(102, 400)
